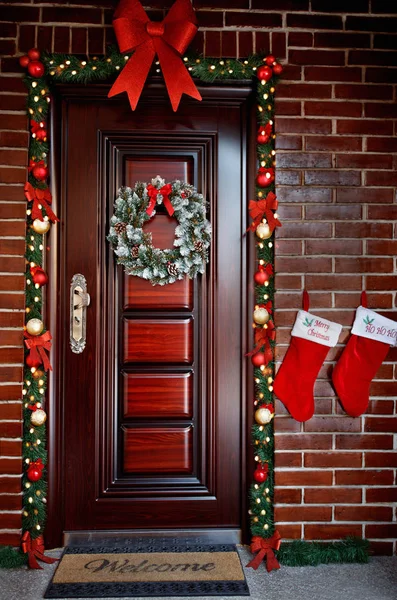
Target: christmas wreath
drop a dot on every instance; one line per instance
(133, 246)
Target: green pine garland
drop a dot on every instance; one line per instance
(303, 554)
(60, 68)
(291, 554)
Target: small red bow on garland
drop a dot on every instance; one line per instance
(38, 344)
(270, 408)
(265, 466)
(33, 164)
(36, 464)
(264, 133)
(268, 268)
(35, 127)
(265, 548)
(39, 197)
(262, 337)
(168, 39)
(264, 208)
(35, 550)
(268, 306)
(165, 191)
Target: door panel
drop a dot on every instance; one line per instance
(143, 169)
(158, 396)
(140, 294)
(158, 450)
(158, 341)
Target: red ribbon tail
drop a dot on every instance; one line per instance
(133, 76)
(45, 559)
(32, 561)
(151, 206)
(45, 359)
(168, 205)
(256, 561)
(176, 76)
(36, 211)
(50, 213)
(34, 354)
(271, 561)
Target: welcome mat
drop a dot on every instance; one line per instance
(149, 568)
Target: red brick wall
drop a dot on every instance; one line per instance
(336, 112)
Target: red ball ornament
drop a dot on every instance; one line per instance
(258, 359)
(260, 474)
(39, 276)
(265, 176)
(270, 60)
(24, 61)
(261, 277)
(40, 172)
(36, 68)
(277, 69)
(41, 135)
(34, 474)
(35, 470)
(264, 73)
(34, 54)
(31, 363)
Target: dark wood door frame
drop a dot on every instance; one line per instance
(57, 409)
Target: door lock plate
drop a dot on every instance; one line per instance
(79, 301)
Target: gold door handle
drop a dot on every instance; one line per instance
(79, 301)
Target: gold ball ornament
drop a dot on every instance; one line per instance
(261, 316)
(263, 416)
(41, 226)
(263, 231)
(38, 417)
(34, 326)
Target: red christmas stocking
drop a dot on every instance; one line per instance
(312, 337)
(372, 336)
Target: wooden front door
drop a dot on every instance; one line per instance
(149, 421)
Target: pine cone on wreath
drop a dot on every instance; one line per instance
(198, 246)
(172, 269)
(135, 251)
(120, 228)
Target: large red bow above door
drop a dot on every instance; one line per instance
(168, 39)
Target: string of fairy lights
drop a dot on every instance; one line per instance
(47, 69)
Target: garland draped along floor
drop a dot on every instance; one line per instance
(72, 69)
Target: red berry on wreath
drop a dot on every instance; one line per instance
(270, 60)
(40, 172)
(265, 176)
(277, 69)
(261, 277)
(24, 61)
(264, 73)
(34, 54)
(36, 68)
(258, 359)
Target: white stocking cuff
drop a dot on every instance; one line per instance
(370, 325)
(316, 329)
